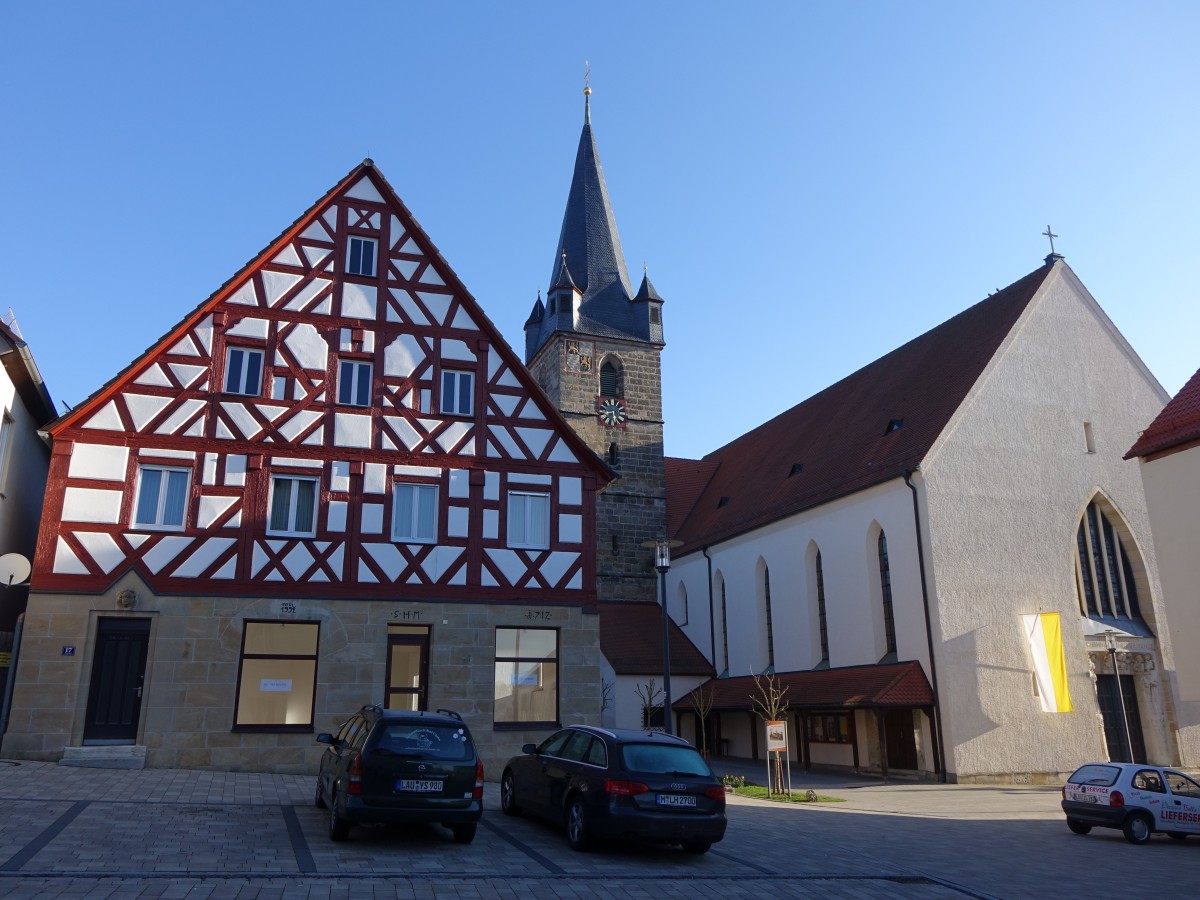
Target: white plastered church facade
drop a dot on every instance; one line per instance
(966, 501)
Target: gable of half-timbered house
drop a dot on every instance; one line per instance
(341, 419)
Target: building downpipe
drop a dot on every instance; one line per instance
(939, 736)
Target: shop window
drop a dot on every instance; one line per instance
(526, 690)
(277, 676)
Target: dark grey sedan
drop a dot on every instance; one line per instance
(617, 783)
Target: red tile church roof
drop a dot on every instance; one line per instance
(1177, 425)
(893, 685)
(870, 427)
(631, 640)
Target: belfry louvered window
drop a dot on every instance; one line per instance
(1104, 575)
(610, 380)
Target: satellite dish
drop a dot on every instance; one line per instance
(14, 569)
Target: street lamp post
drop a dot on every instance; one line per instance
(662, 562)
(1111, 644)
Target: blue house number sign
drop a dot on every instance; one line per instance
(68, 651)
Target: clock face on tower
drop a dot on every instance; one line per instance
(611, 411)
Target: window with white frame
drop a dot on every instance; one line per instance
(354, 382)
(360, 256)
(293, 506)
(529, 520)
(458, 392)
(414, 513)
(243, 371)
(161, 497)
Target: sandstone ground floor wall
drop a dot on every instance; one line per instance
(189, 692)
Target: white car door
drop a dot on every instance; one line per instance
(1181, 809)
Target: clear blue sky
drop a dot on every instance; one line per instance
(811, 184)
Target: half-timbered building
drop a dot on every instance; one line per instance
(332, 483)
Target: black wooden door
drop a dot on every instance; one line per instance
(118, 670)
(1114, 724)
(900, 739)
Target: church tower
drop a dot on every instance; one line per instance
(594, 346)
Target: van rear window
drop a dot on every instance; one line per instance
(425, 741)
(1104, 776)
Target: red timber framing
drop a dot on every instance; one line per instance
(299, 369)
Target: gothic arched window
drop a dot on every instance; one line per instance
(885, 583)
(1104, 575)
(770, 624)
(822, 622)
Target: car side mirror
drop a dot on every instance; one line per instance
(529, 748)
(326, 738)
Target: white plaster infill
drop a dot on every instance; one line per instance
(120, 756)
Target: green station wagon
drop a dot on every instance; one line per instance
(401, 767)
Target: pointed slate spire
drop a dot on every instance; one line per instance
(589, 229)
(564, 280)
(538, 312)
(646, 291)
(589, 242)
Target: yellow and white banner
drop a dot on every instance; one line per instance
(1044, 632)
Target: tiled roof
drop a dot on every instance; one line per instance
(868, 428)
(631, 640)
(687, 478)
(1177, 424)
(893, 685)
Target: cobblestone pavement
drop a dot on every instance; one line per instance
(89, 833)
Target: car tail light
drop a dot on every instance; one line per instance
(478, 795)
(624, 788)
(1116, 798)
(716, 792)
(354, 785)
(1064, 792)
